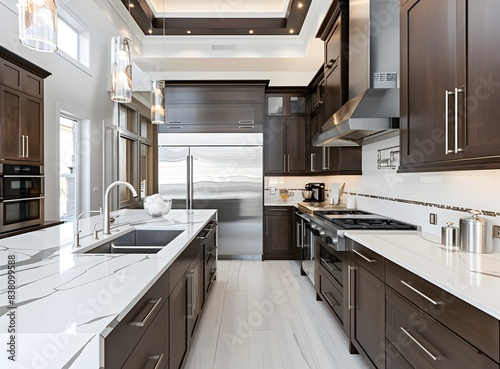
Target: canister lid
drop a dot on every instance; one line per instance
(475, 220)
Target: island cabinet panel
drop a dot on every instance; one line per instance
(425, 343)
(449, 85)
(122, 340)
(471, 324)
(179, 323)
(152, 349)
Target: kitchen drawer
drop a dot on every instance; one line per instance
(478, 328)
(427, 343)
(332, 261)
(394, 359)
(178, 269)
(209, 128)
(218, 114)
(152, 350)
(279, 210)
(368, 259)
(125, 336)
(210, 274)
(214, 94)
(331, 295)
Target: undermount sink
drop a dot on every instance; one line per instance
(138, 241)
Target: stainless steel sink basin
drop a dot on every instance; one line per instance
(139, 241)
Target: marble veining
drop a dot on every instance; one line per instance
(68, 302)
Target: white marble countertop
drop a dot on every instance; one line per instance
(66, 302)
(475, 278)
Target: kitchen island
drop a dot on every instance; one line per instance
(57, 306)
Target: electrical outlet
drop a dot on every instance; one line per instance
(290, 193)
(433, 218)
(272, 190)
(496, 231)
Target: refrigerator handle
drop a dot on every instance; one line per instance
(189, 201)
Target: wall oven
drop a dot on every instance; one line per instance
(21, 196)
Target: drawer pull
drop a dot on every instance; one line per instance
(349, 286)
(278, 209)
(156, 303)
(325, 295)
(408, 284)
(364, 257)
(436, 357)
(158, 359)
(330, 266)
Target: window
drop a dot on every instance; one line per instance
(73, 38)
(67, 169)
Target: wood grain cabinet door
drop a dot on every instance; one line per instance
(296, 144)
(10, 123)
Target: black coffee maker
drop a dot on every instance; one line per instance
(318, 190)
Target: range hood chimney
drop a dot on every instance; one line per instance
(373, 109)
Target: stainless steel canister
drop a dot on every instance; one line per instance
(476, 234)
(450, 235)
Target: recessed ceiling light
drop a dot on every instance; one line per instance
(300, 5)
(291, 31)
(188, 32)
(251, 31)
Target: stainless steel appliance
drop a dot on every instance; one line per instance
(21, 196)
(318, 192)
(217, 171)
(329, 227)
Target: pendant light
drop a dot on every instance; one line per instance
(158, 91)
(38, 24)
(157, 102)
(121, 70)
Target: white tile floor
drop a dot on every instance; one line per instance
(264, 315)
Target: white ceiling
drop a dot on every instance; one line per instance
(290, 60)
(218, 8)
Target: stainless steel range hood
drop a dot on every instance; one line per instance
(364, 118)
(373, 108)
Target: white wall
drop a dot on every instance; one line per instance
(73, 90)
(439, 191)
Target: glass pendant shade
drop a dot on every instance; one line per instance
(158, 102)
(38, 24)
(121, 70)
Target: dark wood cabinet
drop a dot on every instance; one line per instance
(367, 305)
(214, 107)
(210, 255)
(449, 85)
(179, 323)
(21, 114)
(278, 236)
(286, 134)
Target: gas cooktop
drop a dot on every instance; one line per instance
(358, 219)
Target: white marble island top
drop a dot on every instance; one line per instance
(475, 278)
(65, 302)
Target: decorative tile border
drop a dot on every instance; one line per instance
(429, 204)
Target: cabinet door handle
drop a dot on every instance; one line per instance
(313, 162)
(434, 357)
(158, 359)
(331, 63)
(325, 155)
(364, 257)
(332, 267)
(248, 121)
(174, 121)
(325, 295)
(447, 121)
(247, 127)
(349, 286)
(142, 323)
(21, 149)
(458, 91)
(27, 146)
(288, 161)
(284, 162)
(408, 284)
(278, 209)
(195, 287)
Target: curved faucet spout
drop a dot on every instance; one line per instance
(105, 220)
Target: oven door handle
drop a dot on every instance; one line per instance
(25, 199)
(23, 176)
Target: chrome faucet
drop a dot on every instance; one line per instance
(105, 220)
(76, 238)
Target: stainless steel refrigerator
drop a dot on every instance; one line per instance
(217, 171)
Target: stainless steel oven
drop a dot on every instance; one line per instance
(21, 196)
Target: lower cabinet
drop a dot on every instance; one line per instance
(158, 331)
(278, 236)
(367, 315)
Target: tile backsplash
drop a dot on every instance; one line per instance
(410, 197)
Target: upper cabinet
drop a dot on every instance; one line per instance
(21, 109)
(214, 107)
(450, 74)
(287, 104)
